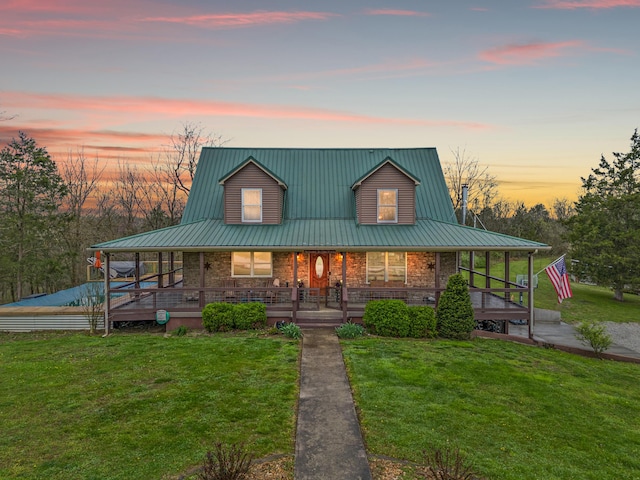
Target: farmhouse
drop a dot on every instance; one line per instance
(315, 234)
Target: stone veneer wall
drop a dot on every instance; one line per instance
(419, 274)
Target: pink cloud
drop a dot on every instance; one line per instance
(152, 107)
(592, 4)
(527, 54)
(393, 12)
(242, 19)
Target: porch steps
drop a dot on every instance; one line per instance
(323, 318)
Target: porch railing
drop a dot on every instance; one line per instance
(130, 303)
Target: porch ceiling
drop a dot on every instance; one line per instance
(317, 234)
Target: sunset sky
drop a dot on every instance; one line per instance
(537, 90)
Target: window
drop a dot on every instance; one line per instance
(386, 266)
(251, 264)
(387, 206)
(252, 205)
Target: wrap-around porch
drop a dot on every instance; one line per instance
(307, 289)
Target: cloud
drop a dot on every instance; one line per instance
(592, 4)
(149, 108)
(399, 13)
(242, 19)
(528, 53)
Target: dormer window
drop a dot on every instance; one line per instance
(387, 205)
(251, 205)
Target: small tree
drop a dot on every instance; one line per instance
(454, 316)
(92, 305)
(595, 335)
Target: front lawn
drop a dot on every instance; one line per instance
(140, 406)
(517, 412)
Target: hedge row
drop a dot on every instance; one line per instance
(222, 317)
(453, 319)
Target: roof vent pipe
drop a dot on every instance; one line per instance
(465, 198)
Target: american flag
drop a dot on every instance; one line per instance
(559, 277)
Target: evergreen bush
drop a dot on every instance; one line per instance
(454, 316)
(249, 316)
(422, 321)
(218, 317)
(387, 318)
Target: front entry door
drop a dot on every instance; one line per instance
(319, 271)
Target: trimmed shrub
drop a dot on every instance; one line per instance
(350, 330)
(455, 317)
(249, 316)
(422, 321)
(218, 317)
(387, 318)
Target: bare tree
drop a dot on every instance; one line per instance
(466, 169)
(127, 188)
(82, 178)
(563, 209)
(184, 149)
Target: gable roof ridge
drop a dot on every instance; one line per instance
(255, 162)
(386, 161)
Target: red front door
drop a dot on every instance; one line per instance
(319, 271)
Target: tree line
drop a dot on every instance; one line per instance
(51, 214)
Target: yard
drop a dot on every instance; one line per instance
(147, 406)
(139, 406)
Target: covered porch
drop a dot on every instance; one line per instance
(303, 289)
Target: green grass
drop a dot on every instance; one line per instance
(140, 406)
(515, 411)
(588, 302)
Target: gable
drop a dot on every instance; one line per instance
(386, 177)
(251, 176)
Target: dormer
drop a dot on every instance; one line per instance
(386, 195)
(253, 195)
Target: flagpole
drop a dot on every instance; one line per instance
(562, 256)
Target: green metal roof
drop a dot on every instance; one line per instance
(319, 210)
(314, 234)
(319, 180)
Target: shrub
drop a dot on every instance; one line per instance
(218, 317)
(422, 321)
(181, 331)
(387, 318)
(454, 317)
(349, 330)
(226, 463)
(595, 335)
(449, 464)
(291, 330)
(249, 316)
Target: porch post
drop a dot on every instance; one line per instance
(137, 270)
(472, 267)
(343, 295)
(437, 279)
(201, 292)
(507, 259)
(160, 276)
(530, 288)
(107, 297)
(487, 262)
(172, 275)
(294, 289)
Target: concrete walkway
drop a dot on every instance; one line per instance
(329, 444)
